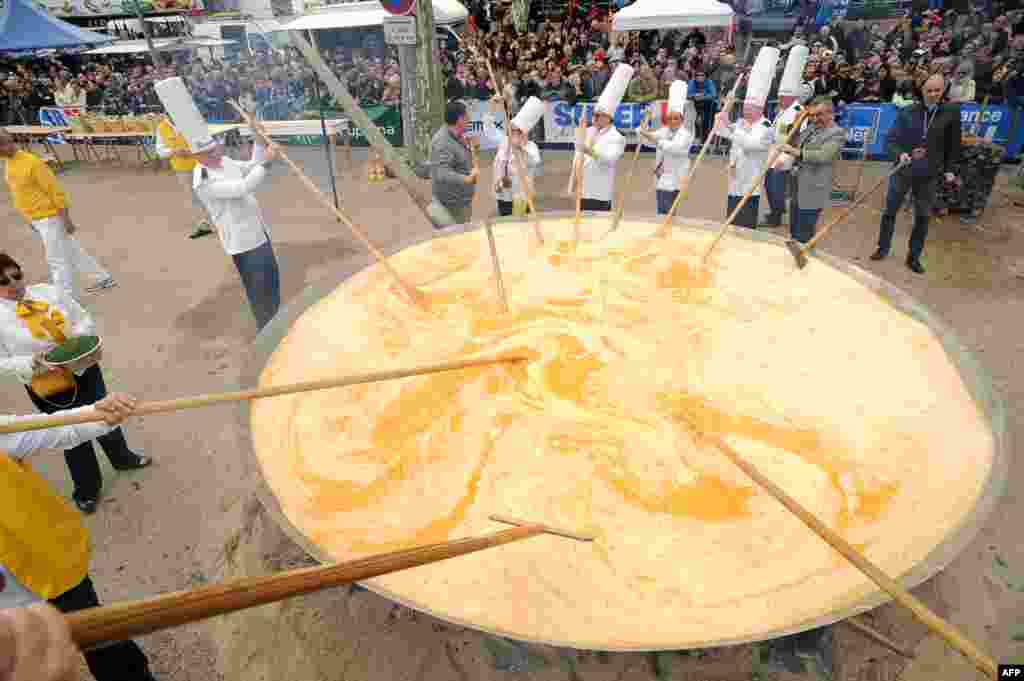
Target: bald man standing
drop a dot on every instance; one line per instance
(926, 136)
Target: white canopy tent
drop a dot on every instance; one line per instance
(370, 13)
(653, 15)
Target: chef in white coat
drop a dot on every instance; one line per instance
(752, 138)
(601, 146)
(225, 187)
(508, 189)
(793, 93)
(673, 142)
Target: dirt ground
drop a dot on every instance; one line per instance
(178, 325)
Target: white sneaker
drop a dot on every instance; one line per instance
(102, 284)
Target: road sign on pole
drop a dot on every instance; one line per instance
(399, 8)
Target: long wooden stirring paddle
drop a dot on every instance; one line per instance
(413, 293)
(166, 406)
(122, 621)
(947, 631)
(621, 207)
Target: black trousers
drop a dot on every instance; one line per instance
(922, 189)
(81, 460)
(122, 661)
(595, 205)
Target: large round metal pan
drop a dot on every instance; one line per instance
(973, 375)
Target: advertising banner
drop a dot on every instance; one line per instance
(561, 119)
(94, 8)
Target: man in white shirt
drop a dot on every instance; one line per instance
(752, 137)
(225, 187)
(673, 142)
(508, 189)
(600, 146)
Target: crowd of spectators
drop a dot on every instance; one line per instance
(981, 52)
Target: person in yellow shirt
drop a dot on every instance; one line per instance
(45, 547)
(42, 201)
(171, 145)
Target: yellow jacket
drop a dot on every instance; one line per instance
(42, 539)
(168, 140)
(34, 188)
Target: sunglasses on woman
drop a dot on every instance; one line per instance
(6, 280)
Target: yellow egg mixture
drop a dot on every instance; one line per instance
(635, 354)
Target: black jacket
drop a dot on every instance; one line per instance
(943, 137)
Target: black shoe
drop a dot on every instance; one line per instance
(879, 255)
(915, 266)
(140, 462)
(86, 506)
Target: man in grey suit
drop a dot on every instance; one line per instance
(818, 146)
(453, 172)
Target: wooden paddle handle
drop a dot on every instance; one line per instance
(166, 406)
(849, 209)
(124, 621)
(411, 292)
(938, 625)
(620, 209)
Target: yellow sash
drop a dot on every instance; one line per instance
(46, 326)
(42, 539)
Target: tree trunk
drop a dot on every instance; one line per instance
(428, 116)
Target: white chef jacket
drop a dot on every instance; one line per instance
(751, 145)
(599, 172)
(17, 345)
(673, 149)
(227, 194)
(504, 163)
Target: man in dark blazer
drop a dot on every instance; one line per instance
(926, 137)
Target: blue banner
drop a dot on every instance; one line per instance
(869, 124)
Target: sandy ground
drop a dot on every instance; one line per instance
(178, 325)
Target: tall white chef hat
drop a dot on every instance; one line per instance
(532, 111)
(677, 97)
(793, 76)
(179, 105)
(615, 90)
(761, 76)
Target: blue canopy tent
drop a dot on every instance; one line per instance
(25, 27)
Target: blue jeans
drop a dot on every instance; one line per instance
(802, 221)
(775, 184)
(262, 281)
(665, 200)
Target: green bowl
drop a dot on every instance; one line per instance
(72, 350)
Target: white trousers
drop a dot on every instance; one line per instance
(65, 256)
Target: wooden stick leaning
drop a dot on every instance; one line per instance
(935, 623)
(165, 406)
(878, 637)
(579, 182)
(414, 295)
(800, 251)
(760, 179)
(499, 282)
(684, 186)
(621, 207)
(524, 178)
(123, 621)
